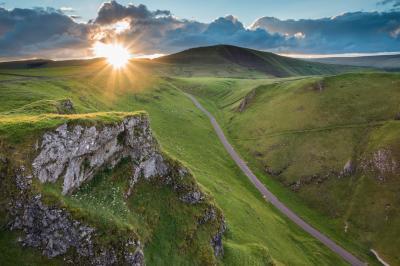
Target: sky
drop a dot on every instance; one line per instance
(208, 10)
(60, 29)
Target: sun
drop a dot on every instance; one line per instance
(116, 54)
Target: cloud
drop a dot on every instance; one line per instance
(67, 9)
(38, 31)
(346, 33)
(52, 33)
(394, 3)
(111, 12)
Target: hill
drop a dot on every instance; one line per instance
(41, 63)
(332, 143)
(387, 62)
(171, 232)
(212, 61)
(244, 60)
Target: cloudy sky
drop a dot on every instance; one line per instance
(68, 29)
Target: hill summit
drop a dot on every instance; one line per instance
(229, 56)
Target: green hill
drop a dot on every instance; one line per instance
(242, 60)
(332, 143)
(169, 235)
(388, 62)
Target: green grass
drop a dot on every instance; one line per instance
(257, 233)
(233, 61)
(294, 128)
(166, 226)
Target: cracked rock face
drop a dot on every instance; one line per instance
(50, 229)
(55, 232)
(77, 153)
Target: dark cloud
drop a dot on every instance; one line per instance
(111, 12)
(349, 32)
(394, 3)
(49, 32)
(29, 32)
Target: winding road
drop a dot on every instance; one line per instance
(271, 197)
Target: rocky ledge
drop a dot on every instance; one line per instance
(74, 154)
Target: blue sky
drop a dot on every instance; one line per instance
(207, 10)
(168, 26)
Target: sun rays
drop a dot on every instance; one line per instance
(116, 54)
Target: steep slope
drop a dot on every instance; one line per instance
(388, 62)
(80, 192)
(332, 141)
(224, 56)
(256, 233)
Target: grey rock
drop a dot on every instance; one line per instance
(382, 163)
(348, 169)
(209, 215)
(53, 231)
(50, 229)
(216, 241)
(78, 153)
(65, 107)
(246, 101)
(192, 197)
(136, 258)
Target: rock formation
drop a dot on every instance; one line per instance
(74, 154)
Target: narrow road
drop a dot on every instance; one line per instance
(271, 197)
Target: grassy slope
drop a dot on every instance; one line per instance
(294, 128)
(257, 233)
(389, 62)
(101, 203)
(228, 60)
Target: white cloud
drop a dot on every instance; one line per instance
(299, 35)
(67, 9)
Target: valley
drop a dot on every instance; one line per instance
(297, 129)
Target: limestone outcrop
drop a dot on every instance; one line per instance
(72, 155)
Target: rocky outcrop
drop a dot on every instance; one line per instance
(216, 241)
(382, 163)
(55, 232)
(77, 153)
(50, 229)
(73, 154)
(65, 107)
(348, 169)
(246, 101)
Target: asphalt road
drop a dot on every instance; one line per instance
(271, 197)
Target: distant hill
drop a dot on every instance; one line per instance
(217, 61)
(228, 56)
(37, 63)
(389, 62)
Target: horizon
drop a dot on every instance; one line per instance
(49, 30)
(155, 56)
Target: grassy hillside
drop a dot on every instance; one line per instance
(212, 61)
(331, 142)
(163, 224)
(222, 57)
(257, 234)
(389, 62)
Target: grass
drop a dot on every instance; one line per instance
(257, 233)
(232, 61)
(294, 128)
(166, 226)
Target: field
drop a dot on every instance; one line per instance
(257, 234)
(300, 134)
